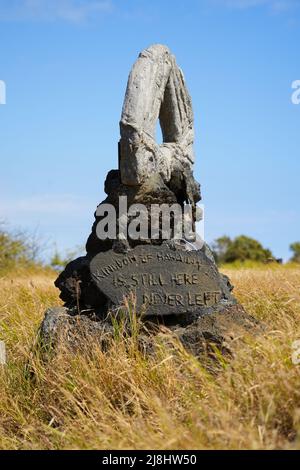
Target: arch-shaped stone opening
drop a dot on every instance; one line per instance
(155, 90)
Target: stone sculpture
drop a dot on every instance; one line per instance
(156, 90)
(170, 279)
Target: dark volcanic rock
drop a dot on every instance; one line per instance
(61, 327)
(218, 328)
(198, 335)
(152, 191)
(77, 288)
(165, 279)
(174, 282)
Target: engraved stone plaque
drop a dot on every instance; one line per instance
(165, 281)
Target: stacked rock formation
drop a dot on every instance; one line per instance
(173, 280)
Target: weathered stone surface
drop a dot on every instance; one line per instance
(152, 191)
(156, 90)
(76, 287)
(60, 326)
(169, 279)
(165, 281)
(220, 328)
(176, 283)
(197, 335)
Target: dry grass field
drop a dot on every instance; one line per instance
(123, 400)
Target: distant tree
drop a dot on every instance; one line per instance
(17, 249)
(295, 248)
(59, 262)
(220, 247)
(241, 248)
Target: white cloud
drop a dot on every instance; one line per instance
(73, 11)
(274, 5)
(44, 205)
(78, 11)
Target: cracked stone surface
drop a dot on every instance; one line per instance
(156, 89)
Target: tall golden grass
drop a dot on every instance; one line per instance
(123, 400)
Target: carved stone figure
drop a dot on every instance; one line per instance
(170, 279)
(155, 90)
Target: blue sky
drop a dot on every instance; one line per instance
(65, 64)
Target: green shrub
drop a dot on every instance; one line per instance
(241, 248)
(59, 262)
(295, 248)
(17, 249)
